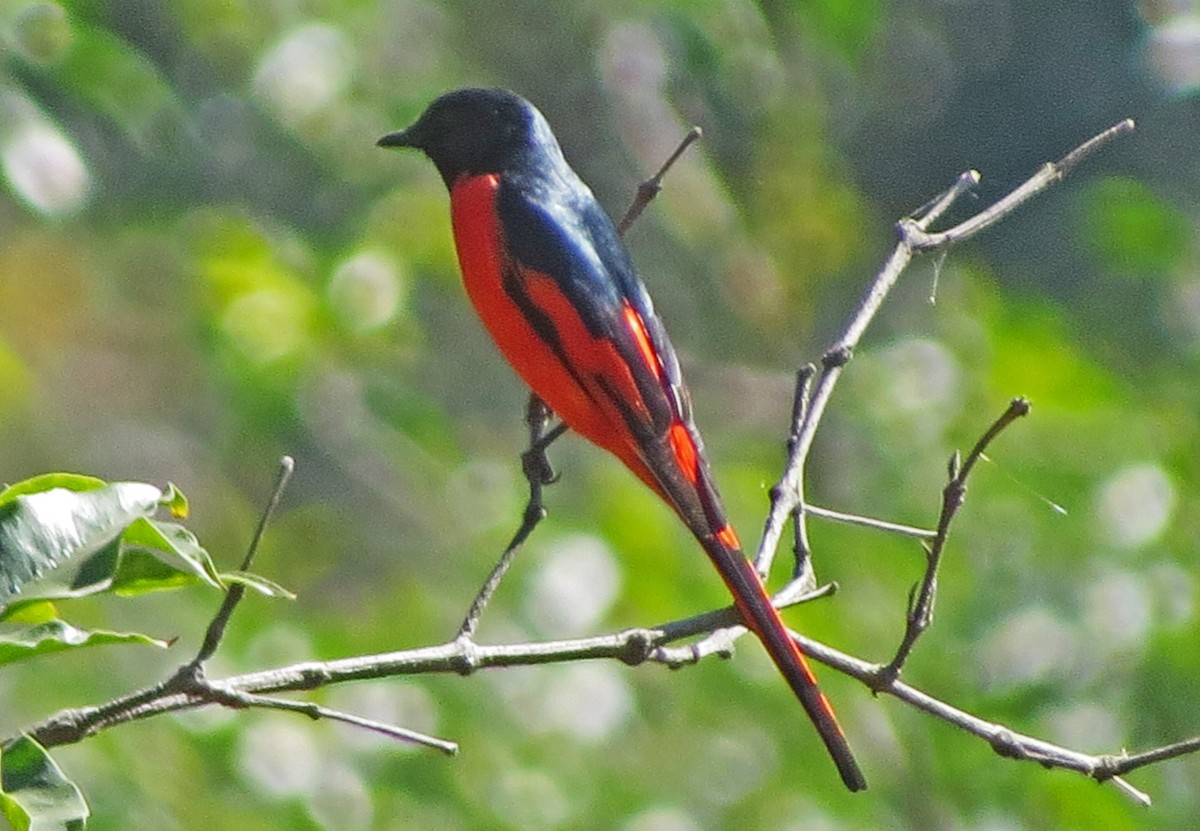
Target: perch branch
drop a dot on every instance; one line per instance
(538, 473)
(632, 647)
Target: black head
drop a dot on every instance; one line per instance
(471, 131)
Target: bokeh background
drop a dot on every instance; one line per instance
(205, 263)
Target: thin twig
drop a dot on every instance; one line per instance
(802, 549)
(538, 473)
(726, 626)
(869, 522)
(316, 711)
(1051, 173)
(787, 494)
(650, 188)
(1127, 762)
(920, 611)
(234, 594)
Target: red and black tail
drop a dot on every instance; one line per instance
(658, 440)
(760, 617)
(677, 468)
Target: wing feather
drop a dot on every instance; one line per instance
(566, 238)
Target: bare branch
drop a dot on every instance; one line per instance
(235, 593)
(725, 627)
(316, 712)
(1124, 763)
(1050, 174)
(538, 473)
(869, 522)
(920, 612)
(632, 646)
(650, 188)
(913, 238)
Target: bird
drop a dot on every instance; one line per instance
(555, 287)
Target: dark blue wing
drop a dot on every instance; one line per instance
(558, 228)
(554, 226)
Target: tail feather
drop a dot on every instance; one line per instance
(760, 616)
(673, 463)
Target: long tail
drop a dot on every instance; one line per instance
(677, 470)
(760, 616)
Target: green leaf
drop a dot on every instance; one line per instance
(95, 575)
(175, 542)
(42, 530)
(38, 610)
(260, 584)
(25, 609)
(49, 481)
(27, 642)
(96, 572)
(149, 556)
(35, 794)
(143, 571)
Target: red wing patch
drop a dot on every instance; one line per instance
(683, 446)
(730, 538)
(580, 374)
(685, 452)
(638, 329)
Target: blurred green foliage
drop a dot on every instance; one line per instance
(206, 263)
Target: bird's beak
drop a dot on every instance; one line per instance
(402, 138)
